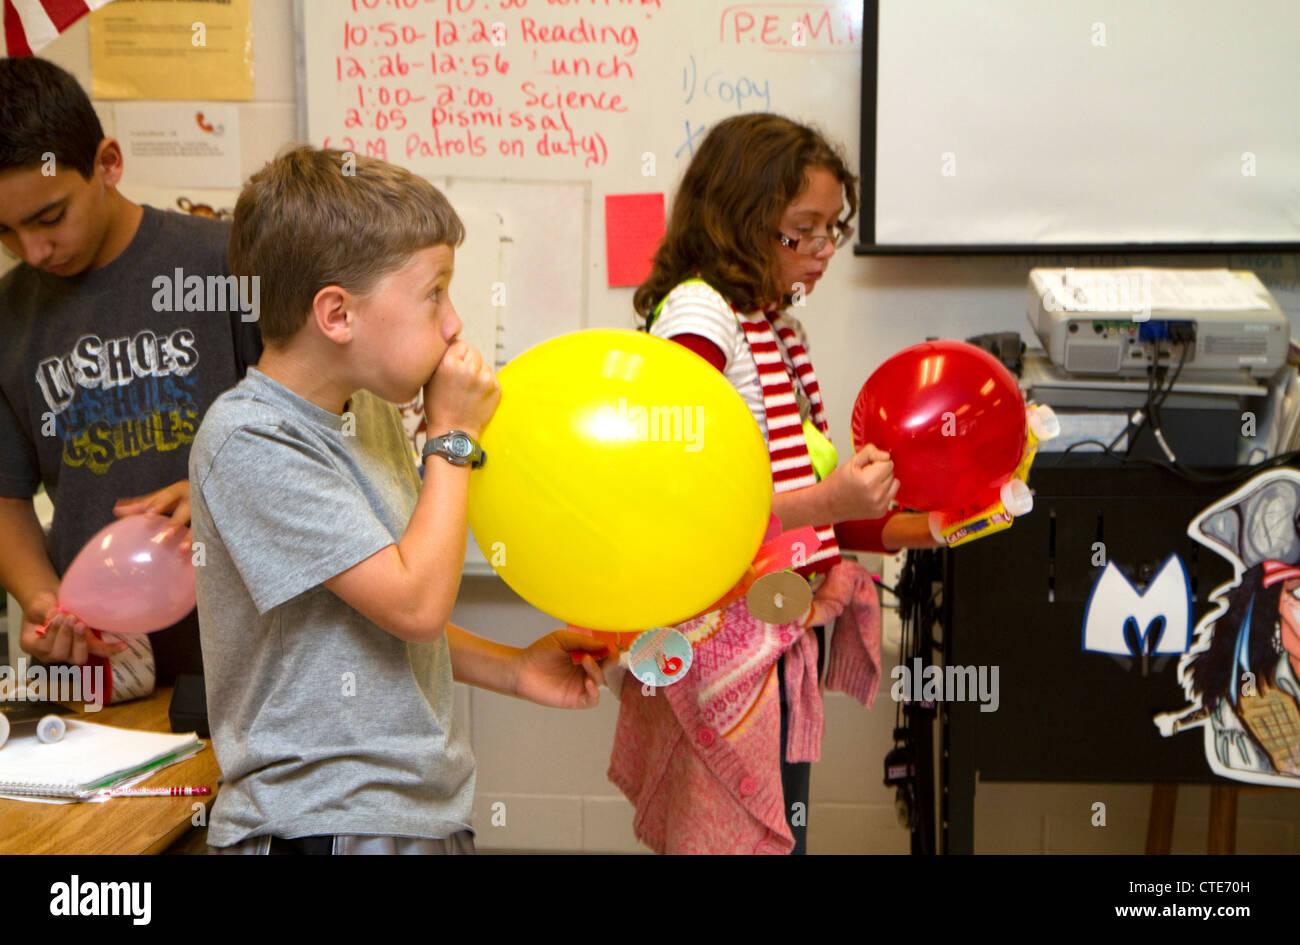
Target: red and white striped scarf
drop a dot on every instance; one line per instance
(30, 25)
(791, 466)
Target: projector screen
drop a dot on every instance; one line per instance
(1023, 125)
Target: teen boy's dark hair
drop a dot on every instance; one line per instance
(43, 110)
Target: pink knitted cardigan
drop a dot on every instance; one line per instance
(700, 760)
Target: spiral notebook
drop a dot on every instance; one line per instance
(90, 758)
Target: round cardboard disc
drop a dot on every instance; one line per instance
(660, 657)
(779, 597)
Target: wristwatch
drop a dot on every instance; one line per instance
(456, 447)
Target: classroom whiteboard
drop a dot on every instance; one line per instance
(1014, 124)
(615, 92)
(540, 109)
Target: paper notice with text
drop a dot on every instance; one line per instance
(172, 49)
(190, 145)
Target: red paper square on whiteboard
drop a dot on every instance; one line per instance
(634, 225)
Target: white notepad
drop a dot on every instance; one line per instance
(89, 758)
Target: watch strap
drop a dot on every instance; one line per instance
(439, 446)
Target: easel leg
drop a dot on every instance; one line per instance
(1160, 822)
(1223, 819)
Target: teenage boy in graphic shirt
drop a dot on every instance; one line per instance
(101, 392)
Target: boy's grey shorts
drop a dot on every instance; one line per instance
(345, 844)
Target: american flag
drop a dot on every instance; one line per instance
(31, 24)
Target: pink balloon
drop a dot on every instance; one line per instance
(130, 578)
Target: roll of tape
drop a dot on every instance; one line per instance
(51, 729)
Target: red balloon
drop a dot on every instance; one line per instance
(951, 417)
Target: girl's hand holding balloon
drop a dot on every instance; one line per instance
(173, 500)
(863, 487)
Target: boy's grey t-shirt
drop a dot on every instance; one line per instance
(323, 723)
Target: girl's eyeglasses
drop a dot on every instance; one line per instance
(812, 245)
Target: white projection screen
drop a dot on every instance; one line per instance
(1025, 125)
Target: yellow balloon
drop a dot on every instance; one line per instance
(626, 485)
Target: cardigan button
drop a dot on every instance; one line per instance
(705, 736)
(748, 786)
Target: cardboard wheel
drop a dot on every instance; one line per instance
(779, 597)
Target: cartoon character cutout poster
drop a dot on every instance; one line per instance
(1240, 676)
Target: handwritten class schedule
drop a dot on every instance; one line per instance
(556, 89)
(438, 79)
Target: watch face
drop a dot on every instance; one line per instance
(461, 446)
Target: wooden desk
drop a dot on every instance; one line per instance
(120, 825)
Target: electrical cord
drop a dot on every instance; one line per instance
(1157, 422)
(1144, 416)
(1185, 472)
(883, 586)
(1158, 392)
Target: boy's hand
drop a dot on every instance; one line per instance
(173, 499)
(65, 640)
(462, 394)
(546, 673)
(863, 487)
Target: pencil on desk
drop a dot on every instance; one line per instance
(198, 791)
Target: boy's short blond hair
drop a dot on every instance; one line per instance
(313, 218)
